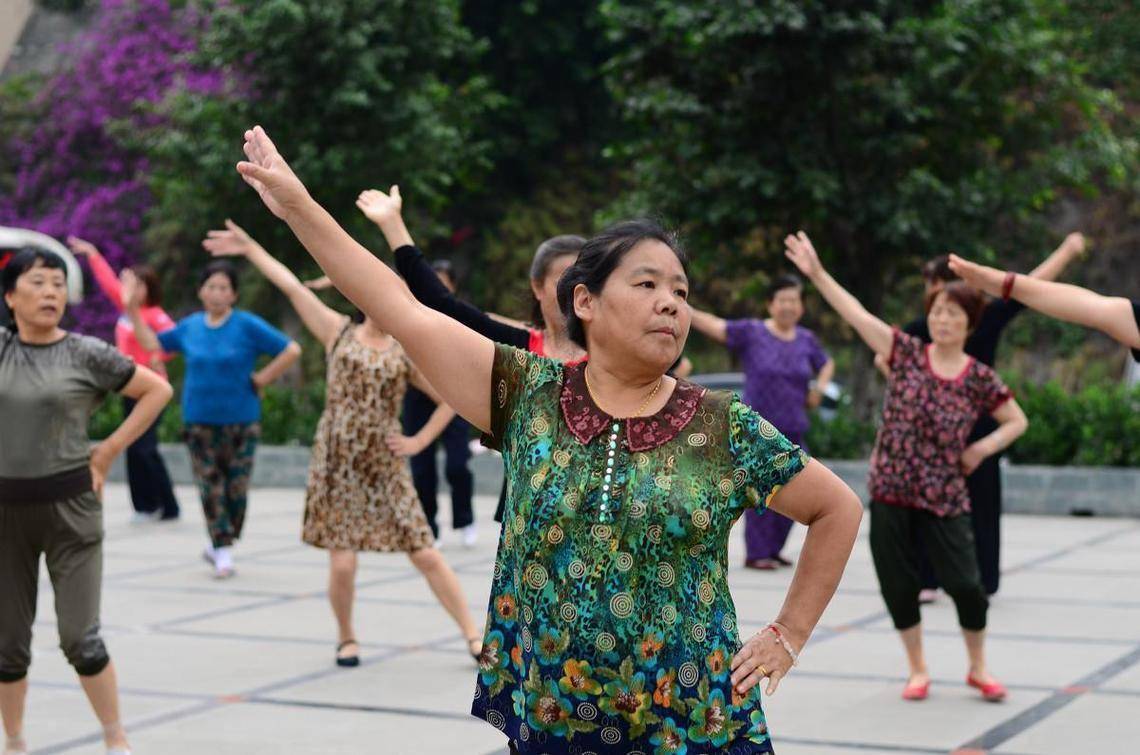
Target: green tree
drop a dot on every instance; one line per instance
(890, 131)
(357, 95)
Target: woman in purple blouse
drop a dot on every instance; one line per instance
(780, 360)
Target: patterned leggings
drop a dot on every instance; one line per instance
(222, 456)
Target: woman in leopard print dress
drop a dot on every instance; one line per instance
(360, 495)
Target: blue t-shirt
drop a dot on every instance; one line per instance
(218, 389)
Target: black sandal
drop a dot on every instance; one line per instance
(470, 641)
(348, 661)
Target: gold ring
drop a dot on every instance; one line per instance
(762, 669)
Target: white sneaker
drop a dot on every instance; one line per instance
(223, 563)
(145, 517)
(470, 535)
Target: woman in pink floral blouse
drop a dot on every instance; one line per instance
(935, 394)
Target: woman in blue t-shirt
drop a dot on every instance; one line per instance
(221, 406)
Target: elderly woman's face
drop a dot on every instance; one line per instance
(640, 311)
(39, 297)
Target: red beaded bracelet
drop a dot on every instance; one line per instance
(786, 645)
(1007, 285)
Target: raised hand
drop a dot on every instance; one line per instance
(379, 207)
(233, 241)
(798, 248)
(983, 278)
(1076, 244)
(266, 171)
(81, 247)
(133, 292)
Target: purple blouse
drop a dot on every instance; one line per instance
(777, 373)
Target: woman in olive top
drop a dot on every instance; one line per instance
(51, 480)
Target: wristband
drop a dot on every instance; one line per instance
(1007, 285)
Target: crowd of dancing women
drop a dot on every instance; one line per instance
(610, 626)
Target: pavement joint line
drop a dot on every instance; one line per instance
(1033, 563)
(217, 701)
(381, 709)
(1012, 727)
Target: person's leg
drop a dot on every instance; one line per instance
(342, 591)
(74, 556)
(138, 481)
(951, 548)
(985, 501)
(445, 584)
(202, 442)
(418, 409)
(21, 534)
(156, 478)
(892, 550)
(459, 477)
(241, 447)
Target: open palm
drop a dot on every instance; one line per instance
(233, 241)
(798, 248)
(380, 207)
(266, 171)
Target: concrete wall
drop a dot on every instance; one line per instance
(14, 14)
(1101, 491)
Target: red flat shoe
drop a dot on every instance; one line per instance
(993, 692)
(916, 691)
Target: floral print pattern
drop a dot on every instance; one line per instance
(615, 633)
(926, 422)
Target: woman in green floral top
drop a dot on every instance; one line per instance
(611, 629)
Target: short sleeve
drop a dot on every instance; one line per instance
(736, 334)
(994, 392)
(763, 459)
(266, 338)
(817, 357)
(515, 374)
(107, 369)
(171, 340)
(906, 351)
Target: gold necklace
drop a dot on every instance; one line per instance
(640, 409)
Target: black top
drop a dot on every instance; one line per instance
(426, 286)
(982, 343)
(1136, 314)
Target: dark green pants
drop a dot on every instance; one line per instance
(950, 546)
(222, 458)
(69, 533)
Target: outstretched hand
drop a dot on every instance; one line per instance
(1076, 244)
(233, 241)
(81, 247)
(380, 207)
(266, 171)
(798, 248)
(987, 279)
(318, 284)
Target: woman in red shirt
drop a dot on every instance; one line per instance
(152, 494)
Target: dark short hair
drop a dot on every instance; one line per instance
(938, 269)
(219, 266)
(23, 260)
(598, 259)
(788, 280)
(548, 251)
(966, 297)
(149, 276)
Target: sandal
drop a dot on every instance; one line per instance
(471, 642)
(347, 661)
(916, 691)
(992, 691)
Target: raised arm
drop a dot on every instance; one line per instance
(385, 211)
(1112, 315)
(1052, 266)
(323, 322)
(874, 332)
(454, 358)
(133, 294)
(710, 325)
(104, 276)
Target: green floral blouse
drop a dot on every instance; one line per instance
(611, 628)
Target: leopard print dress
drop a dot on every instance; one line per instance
(360, 495)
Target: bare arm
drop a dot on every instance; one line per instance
(710, 325)
(132, 295)
(323, 322)
(832, 512)
(1012, 424)
(1111, 315)
(874, 332)
(152, 393)
(277, 366)
(455, 359)
(1051, 268)
(822, 379)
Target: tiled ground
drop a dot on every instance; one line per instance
(245, 667)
